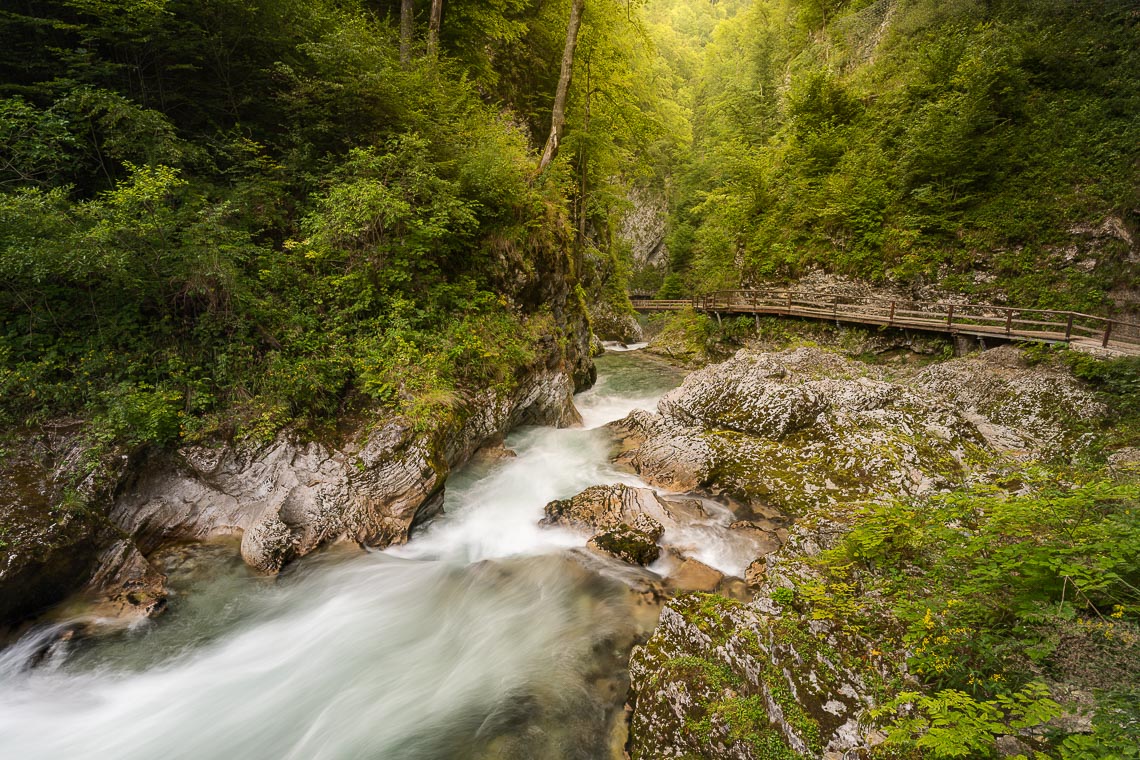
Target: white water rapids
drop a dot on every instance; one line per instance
(482, 638)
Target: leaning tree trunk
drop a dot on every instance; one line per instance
(407, 28)
(433, 27)
(558, 117)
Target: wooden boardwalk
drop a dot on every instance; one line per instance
(995, 322)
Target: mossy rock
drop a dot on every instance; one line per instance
(631, 544)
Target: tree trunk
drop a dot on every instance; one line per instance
(558, 117)
(583, 161)
(407, 28)
(433, 27)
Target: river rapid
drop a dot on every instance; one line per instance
(486, 636)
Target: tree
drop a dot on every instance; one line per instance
(558, 115)
(407, 27)
(433, 27)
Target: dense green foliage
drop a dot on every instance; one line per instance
(991, 595)
(976, 144)
(229, 217)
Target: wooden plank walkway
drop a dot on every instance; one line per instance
(1041, 325)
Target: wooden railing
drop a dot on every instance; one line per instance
(970, 319)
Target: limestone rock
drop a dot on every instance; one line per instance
(129, 587)
(68, 523)
(609, 323)
(1016, 407)
(53, 493)
(721, 679)
(289, 498)
(756, 573)
(805, 429)
(692, 575)
(1125, 462)
(644, 227)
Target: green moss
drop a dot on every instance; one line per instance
(803, 724)
(629, 544)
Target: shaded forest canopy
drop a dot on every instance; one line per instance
(224, 217)
(978, 144)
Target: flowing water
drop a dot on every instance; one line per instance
(483, 637)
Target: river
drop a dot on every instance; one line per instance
(486, 636)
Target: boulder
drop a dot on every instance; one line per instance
(601, 508)
(692, 575)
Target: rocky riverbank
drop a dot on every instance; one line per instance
(805, 438)
(80, 520)
(815, 436)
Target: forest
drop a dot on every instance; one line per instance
(235, 215)
(964, 142)
(225, 218)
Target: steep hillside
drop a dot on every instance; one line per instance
(990, 147)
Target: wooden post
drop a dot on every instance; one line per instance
(891, 319)
(788, 308)
(950, 316)
(1069, 327)
(1008, 321)
(835, 308)
(1107, 333)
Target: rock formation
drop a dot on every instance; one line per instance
(813, 434)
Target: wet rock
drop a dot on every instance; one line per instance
(692, 575)
(289, 498)
(64, 513)
(54, 492)
(635, 544)
(492, 453)
(601, 508)
(756, 573)
(766, 535)
(127, 585)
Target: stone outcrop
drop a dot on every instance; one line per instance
(609, 323)
(635, 544)
(289, 498)
(54, 491)
(644, 227)
(601, 508)
(805, 428)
